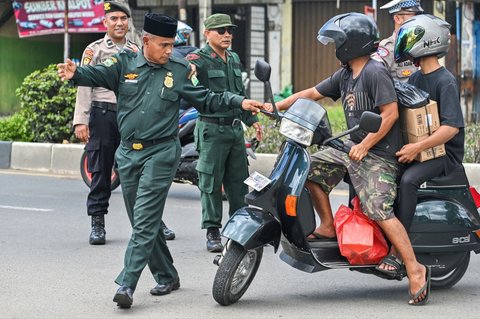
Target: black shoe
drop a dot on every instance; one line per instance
(97, 236)
(124, 297)
(165, 289)
(167, 232)
(214, 241)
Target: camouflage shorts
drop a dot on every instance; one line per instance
(373, 178)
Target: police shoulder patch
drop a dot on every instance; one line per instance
(383, 52)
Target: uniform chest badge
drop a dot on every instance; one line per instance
(131, 77)
(168, 82)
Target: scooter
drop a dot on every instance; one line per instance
(445, 228)
(186, 172)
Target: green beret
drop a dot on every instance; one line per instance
(218, 20)
(112, 6)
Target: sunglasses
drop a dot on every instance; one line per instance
(222, 30)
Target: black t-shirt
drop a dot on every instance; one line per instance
(442, 87)
(372, 88)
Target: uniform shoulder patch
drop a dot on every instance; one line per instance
(87, 56)
(110, 61)
(383, 52)
(192, 56)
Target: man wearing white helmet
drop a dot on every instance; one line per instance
(400, 11)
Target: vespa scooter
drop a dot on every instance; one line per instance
(445, 228)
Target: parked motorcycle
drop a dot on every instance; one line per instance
(445, 228)
(186, 172)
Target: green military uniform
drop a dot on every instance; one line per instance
(148, 103)
(220, 138)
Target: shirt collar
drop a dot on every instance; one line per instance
(141, 61)
(210, 50)
(109, 42)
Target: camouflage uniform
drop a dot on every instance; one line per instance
(373, 178)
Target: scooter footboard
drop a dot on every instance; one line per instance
(252, 228)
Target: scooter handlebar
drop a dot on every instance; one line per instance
(339, 145)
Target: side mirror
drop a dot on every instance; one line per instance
(262, 70)
(370, 122)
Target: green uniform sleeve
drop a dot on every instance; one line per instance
(206, 101)
(100, 75)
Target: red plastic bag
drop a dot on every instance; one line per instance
(360, 239)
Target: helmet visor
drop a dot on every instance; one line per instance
(406, 40)
(331, 32)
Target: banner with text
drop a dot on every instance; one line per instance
(41, 17)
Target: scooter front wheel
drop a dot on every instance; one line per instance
(235, 272)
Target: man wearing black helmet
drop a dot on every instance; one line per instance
(363, 84)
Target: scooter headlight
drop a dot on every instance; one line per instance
(296, 132)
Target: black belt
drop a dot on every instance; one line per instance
(221, 120)
(138, 145)
(105, 106)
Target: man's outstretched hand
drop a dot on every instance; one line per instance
(66, 70)
(252, 105)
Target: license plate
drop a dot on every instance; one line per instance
(257, 181)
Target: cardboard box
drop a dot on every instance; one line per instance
(420, 121)
(427, 154)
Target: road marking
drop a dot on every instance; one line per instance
(27, 208)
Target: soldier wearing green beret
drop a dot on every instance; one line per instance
(148, 86)
(219, 136)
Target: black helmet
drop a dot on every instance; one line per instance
(420, 36)
(354, 34)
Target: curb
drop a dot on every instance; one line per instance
(64, 159)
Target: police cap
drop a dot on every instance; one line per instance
(113, 6)
(160, 25)
(396, 6)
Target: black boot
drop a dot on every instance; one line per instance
(97, 236)
(167, 232)
(214, 241)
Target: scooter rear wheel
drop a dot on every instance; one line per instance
(235, 273)
(454, 276)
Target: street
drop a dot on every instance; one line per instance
(48, 269)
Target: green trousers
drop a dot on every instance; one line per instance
(223, 160)
(146, 177)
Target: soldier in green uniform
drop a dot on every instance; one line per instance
(219, 136)
(148, 86)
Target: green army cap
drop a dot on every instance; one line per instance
(113, 6)
(218, 20)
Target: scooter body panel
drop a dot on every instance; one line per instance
(251, 227)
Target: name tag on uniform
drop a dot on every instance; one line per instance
(131, 81)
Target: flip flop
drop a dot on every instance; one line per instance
(425, 288)
(393, 261)
(320, 237)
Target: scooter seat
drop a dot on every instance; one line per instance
(455, 179)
